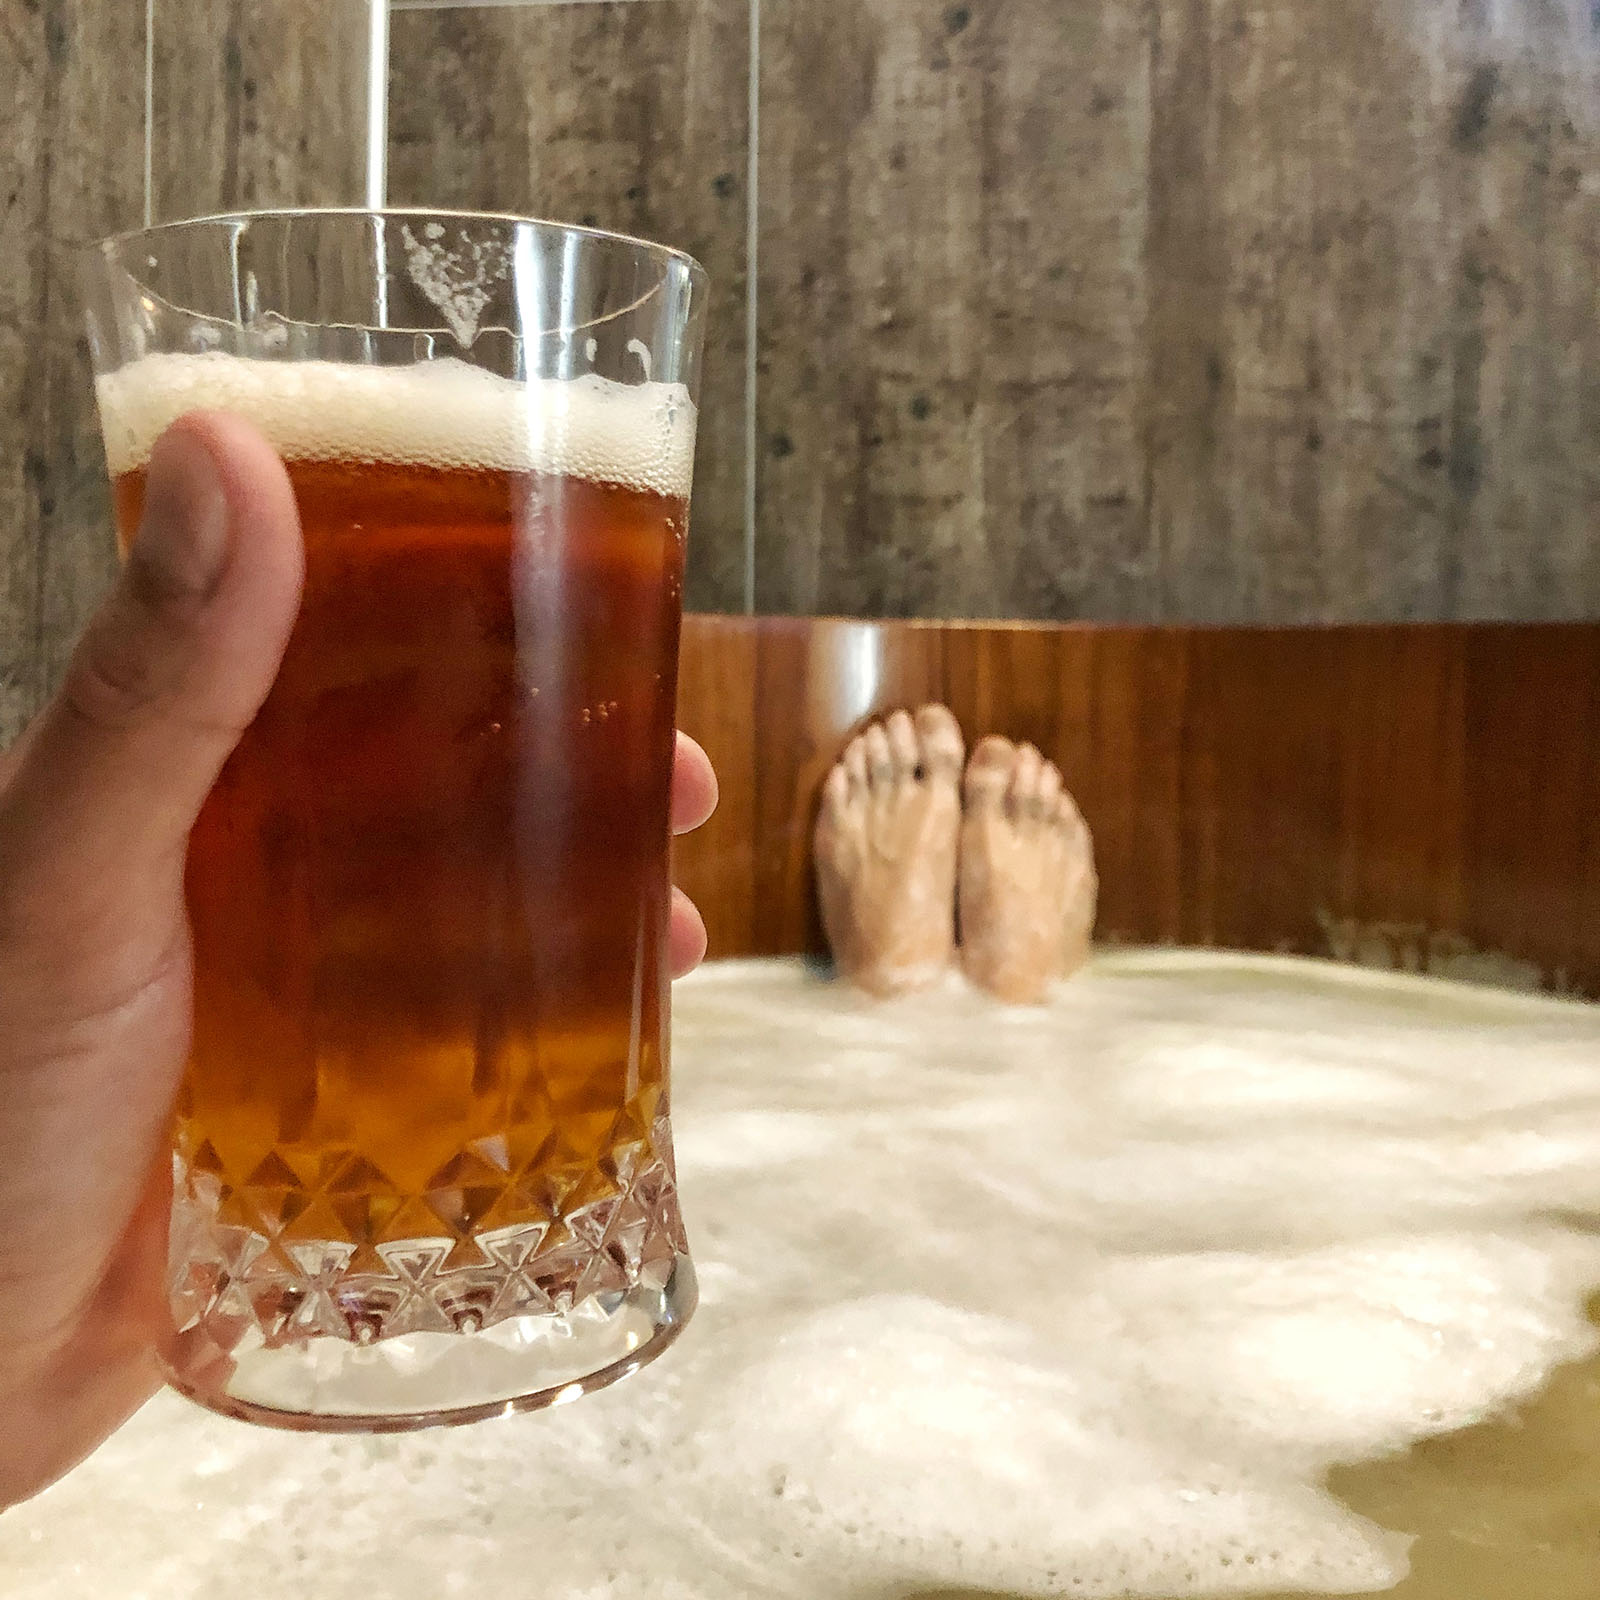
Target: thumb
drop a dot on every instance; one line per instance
(96, 814)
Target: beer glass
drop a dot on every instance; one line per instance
(422, 1163)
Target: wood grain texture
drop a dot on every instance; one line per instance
(1373, 252)
(1144, 310)
(951, 310)
(258, 104)
(73, 163)
(631, 117)
(27, 70)
(1409, 796)
(1213, 310)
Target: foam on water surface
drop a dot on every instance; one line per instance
(1082, 1301)
(435, 414)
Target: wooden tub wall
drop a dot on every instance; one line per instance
(1424, 797)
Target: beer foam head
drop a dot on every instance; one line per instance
(1078, 1301)
(436, 413)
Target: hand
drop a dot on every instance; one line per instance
(96, 802)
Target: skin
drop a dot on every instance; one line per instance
(96, 802)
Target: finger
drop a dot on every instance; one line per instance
(694, 786)
(171, 670)
(686, 936)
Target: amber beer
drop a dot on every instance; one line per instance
(429, 894)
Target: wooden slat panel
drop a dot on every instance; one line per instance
(258, 103)
(1304, 239)
(952, 204)
(716, 700)
(1531, 780)
(74, 164)
(1202, 310)
(1197, 309)
(632, 117)
(95, 172)
(23, 289)
(1410, 794)
(769, 702)
(1521, 148)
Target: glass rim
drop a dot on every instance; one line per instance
(106, 246)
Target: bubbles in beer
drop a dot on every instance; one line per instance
(435, 414)
(1081, 1302)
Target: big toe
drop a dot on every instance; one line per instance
(989, 773)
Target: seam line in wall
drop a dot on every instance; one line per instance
(752, 291)
(149, 110)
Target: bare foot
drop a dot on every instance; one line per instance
(1028, 886)
(886, 852)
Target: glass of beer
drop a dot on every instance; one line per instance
(422, 1165)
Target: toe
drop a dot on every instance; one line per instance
(855, 765)
(880, 763)
(903, 750)
(838, 815)
(1070, 818)
(1022, 800)
(835, 794)
(939, 735)
(1050, 792)
(989, 772)
(1077, 846)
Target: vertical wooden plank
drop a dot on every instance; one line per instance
(715, 866)
(800, 694)
(1105, 704)
(76, 173)
(32, 48)
(775, 700)
(94, 117)
(197, 105)
(1532, 711)
(630, 117)
(1299, 252)
(951, 309)
(1403, 796)
(1400, 779)
(1131, 787)
(258, 103)
(1374, 252)
(1522, 153)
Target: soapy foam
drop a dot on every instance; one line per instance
(1082, 1301)
(436, 414)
